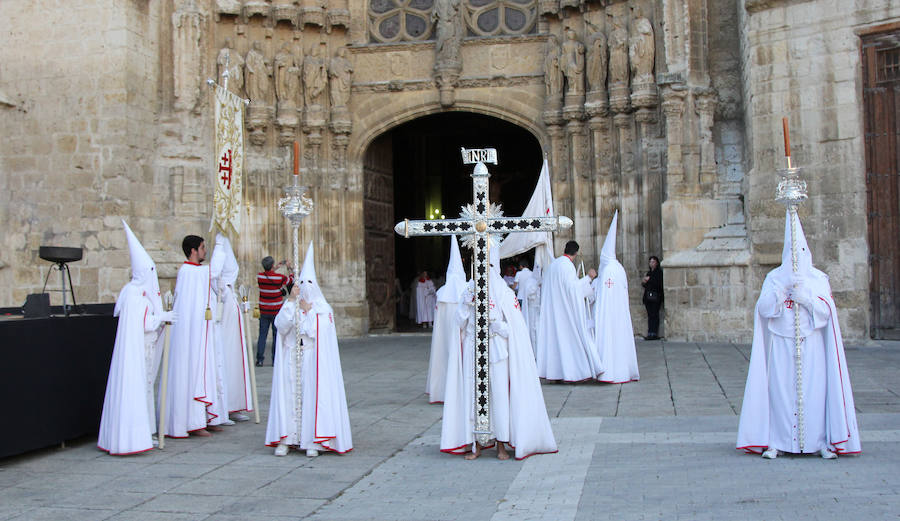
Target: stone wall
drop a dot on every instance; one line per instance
(83, 83)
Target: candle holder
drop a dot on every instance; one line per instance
(296, 206)
(168, 301)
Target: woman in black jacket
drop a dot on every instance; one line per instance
(653, 297)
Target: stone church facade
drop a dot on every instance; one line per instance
(667, 110)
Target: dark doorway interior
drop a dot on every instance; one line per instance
(430, 180)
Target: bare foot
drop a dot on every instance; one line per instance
(214, 428)
(203, 433)
(472, 455)
(501, 451)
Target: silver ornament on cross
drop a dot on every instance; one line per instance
(477, 223)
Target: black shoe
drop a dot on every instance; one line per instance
(259, 363)
(651, 337)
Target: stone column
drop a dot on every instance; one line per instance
(559, 180)
(705, 105)
(652, 183)
(673, 108)
(582, 188)
(187, 34)
(630, 192)
(606, 179)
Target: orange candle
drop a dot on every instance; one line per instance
(787, 137)
(296, 158)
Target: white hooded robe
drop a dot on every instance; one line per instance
(231, 330)
(614, 335)
(565, 349)
(517, 410)
(769, 414)
(322, 405)
(128, 419)
(446, 334)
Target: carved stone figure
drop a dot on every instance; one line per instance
(232, 60)
(256, 75)
(553, 76)
(641, 50)
(447, 31)
(340, 72)
(186, 34)
(618, 54)
(573, 63)
(596, 62)
(315, 76)
(287, 77)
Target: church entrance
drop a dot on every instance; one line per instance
(881, 97)
(415, 171)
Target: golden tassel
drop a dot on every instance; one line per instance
(208, 313)
(256, 312)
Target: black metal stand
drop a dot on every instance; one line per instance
(62, 267)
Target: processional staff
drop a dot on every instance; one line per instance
(295, 206)
(476, 224)
(791, 192)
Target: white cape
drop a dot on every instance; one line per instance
(565, 349)
(232, 338)
(195, 394)
(325, 423)
(129, 412)
(425, 301)
(769, 406)
(445, 339)
(518, 413)
(612, 323)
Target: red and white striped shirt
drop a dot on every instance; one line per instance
(270, 286)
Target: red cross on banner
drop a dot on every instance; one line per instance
(225, 169)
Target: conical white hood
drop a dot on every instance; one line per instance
(455, 283)
(804, 256)
(608, 252)
(143, 271)
(309, 286)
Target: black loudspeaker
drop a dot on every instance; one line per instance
(37, 305)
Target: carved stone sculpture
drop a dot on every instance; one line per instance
(234, 62)
(596, 72)
(573, 63)
(641, 52)
(597, 61)
(448, 36)
(257, 83)
(287, 91)
(340, 71)
(315, 79)
(618, 66)
(186, 35)
(553, 76)
(257, 75)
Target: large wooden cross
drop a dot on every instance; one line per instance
(476, 223)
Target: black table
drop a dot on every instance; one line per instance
(53, 378)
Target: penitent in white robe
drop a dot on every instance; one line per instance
(446, 336)
(565, 349)
(195, 394)
(129, 411)
(324, 421)
(425, 301)
(770, 412)
(231, 330)
(614, 335)
(517, 410)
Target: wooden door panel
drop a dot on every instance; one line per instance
(378, 216)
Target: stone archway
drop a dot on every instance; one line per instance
(414, 170)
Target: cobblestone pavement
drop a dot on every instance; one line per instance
(661, 448)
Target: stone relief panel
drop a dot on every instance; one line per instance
(187, 22)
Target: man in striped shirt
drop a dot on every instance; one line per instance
(272, 287)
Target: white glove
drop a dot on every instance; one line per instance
(800, 291)
(499, 328)
(169, 316)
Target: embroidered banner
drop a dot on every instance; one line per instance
(228, 196)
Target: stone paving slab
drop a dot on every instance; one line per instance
(660, 448)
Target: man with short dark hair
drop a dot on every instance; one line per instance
(196, 403)
(272, 286)
(565, 349)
